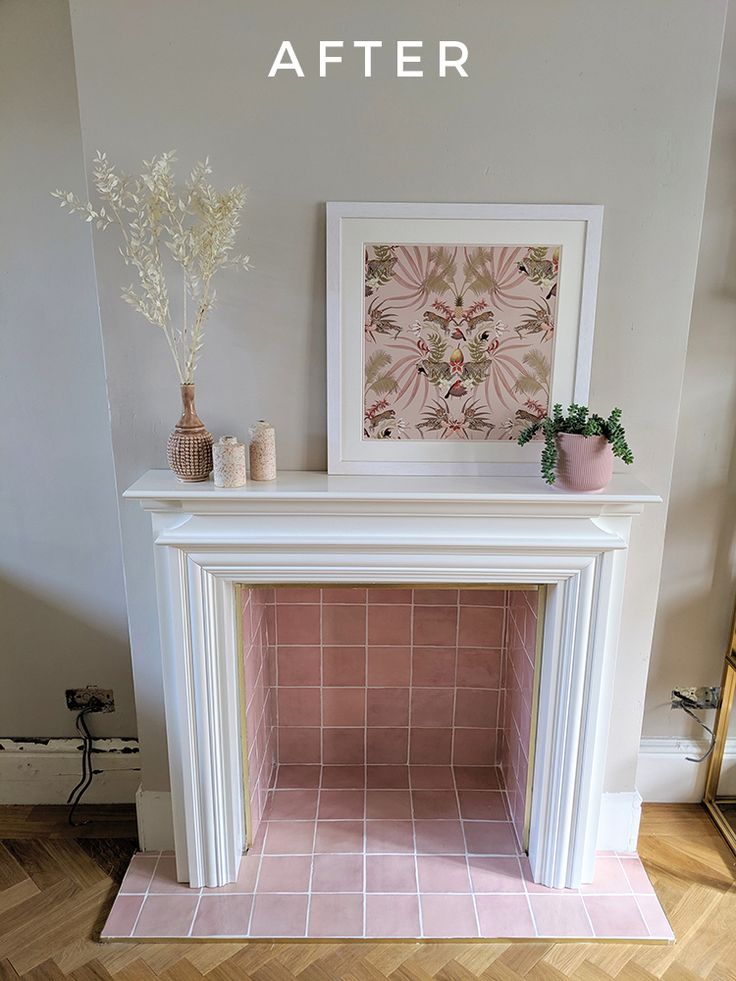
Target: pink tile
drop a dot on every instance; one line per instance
(343, 666)
(246, 880)
(430, 777)
(298, 666)
(435, 626)
(435, 837)
(430, 746)
(389, 625)
(299, 707)
(166, 916)
(560, 916)
(297, 594)
(297, 775)
(164, 878)
(636, 875)
(222, 916)
(496, 875)
(343, 777)
(343, 746)
(481, 626)
(389, 666)
(448, 916)
(474, 747)
(388, 706)
(433, 667)
(435, 597)
(483, 597)
(284, 873)
(615, 916)
(391, 594)
(388, 805)
(609, 877)
(482, 805)
(289, 838)
(337, 873)
(387, 745)
(478, 668)
(387, 777)
(435, 804)
(139, 874)
(490, 838)
(344, 594)
(298, 624)
(336, 915)
(443, 873)
(343, 706)
(389, 837)
(504, 916)
(339, 836)
(655, 918)
(477, 707)
(343, 624)
(292, 805)
(279, 916)
(477, 778)
(392, 916)
(299, 745)
(432, 706)
(122, 916)
(341, 805)
(390, 873)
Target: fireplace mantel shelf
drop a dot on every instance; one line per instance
(160, 490)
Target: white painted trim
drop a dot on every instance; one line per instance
(665, 775)
(44, 771)
(206, 544)
(618, 830)
(155, 822)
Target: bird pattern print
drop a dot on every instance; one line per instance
(457, 339)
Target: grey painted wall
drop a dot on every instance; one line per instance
(571, 101)
(62, 606)
(699, 570)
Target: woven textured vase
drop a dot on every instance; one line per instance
(584, 463)
(189, 449)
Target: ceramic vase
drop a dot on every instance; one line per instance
(584, 463)
(189, 449)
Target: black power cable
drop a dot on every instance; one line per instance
(87, 772)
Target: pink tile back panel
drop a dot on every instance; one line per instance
(516, 701)
(388, 676)
(258, 612)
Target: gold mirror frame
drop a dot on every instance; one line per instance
(712, 800)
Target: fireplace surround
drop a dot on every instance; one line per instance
(308, 528)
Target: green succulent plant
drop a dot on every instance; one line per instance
(581, 422)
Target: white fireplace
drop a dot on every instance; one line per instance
(339, 530)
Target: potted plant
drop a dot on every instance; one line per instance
(192, 229)
(579, 447)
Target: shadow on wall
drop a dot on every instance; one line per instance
(43, 639)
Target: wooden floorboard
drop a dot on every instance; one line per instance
(57, 884)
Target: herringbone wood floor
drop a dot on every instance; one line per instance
(57, 884)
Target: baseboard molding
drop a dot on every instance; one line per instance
(155, 821)
(665, 775)
(44, 771)
(618, 827)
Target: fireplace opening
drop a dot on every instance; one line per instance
(390, 720)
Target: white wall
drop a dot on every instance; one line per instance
(567, 101)
(699, 570)
(62, 605)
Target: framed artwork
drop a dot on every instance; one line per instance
(451, 327)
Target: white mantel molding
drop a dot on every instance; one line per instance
(310, 527)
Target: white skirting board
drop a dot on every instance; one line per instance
(155, 820)
(664, 774)
(45, 771)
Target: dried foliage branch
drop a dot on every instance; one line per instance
(196, 225)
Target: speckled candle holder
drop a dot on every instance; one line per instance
(262, 451)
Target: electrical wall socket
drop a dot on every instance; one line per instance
(91, 698)
(699, 698)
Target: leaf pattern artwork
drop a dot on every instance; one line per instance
(458, 339)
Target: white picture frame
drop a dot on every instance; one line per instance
(353, 225)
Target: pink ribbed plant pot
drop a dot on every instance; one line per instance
(584, 463)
